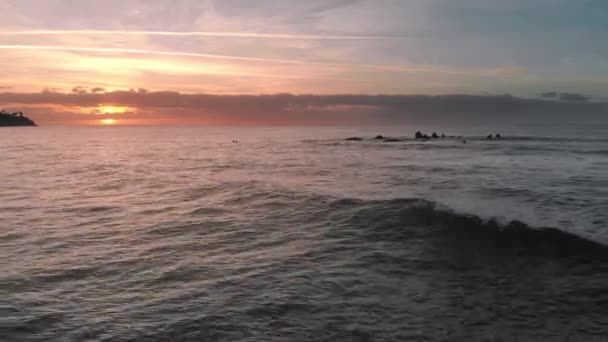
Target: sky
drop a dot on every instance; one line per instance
(106, 55)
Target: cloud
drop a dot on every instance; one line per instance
(153, 107)
(98, 90)
(574, 97)
(79, 90)
(51, 90)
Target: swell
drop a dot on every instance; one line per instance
(409, 138)
(425, 219)
(409, 217)
(514, 144)
(554, 139)
(561, 149)
(404, 218)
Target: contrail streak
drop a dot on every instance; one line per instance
(193, 54)
(149, 52)
(395, 68)
(195, 33)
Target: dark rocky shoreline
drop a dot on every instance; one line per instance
(14, 119)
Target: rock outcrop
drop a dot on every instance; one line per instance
(14, 119)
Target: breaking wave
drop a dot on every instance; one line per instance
(468, 229)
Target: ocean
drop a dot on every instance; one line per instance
(296, 234)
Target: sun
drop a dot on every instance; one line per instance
(108, 121)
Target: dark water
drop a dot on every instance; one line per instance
(293, 234)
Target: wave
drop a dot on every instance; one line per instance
(554, 148)
(514, 138)
(404, 218)
(549, 139)
(598, 152)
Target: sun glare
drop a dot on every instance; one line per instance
(108, 121)
(111, 109)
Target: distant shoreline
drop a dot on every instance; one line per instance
(15, 120)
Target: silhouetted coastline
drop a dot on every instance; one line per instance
(15, 119)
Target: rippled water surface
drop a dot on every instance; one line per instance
(295, 234)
